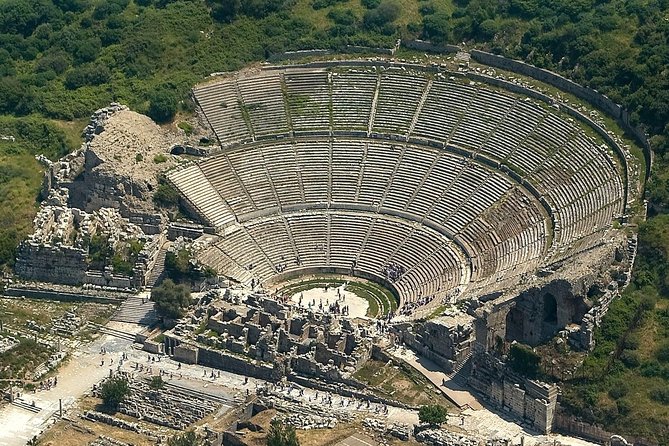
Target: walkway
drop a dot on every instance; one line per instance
(455, 392)
(18, 426)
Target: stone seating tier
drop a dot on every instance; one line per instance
(305, 194)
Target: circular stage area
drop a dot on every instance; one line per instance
(438, 185)
(332, 300)
(330, 293)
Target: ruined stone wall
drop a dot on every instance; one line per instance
(47, 263)
(532, 401)
(440, 341)
(242, 366)
(427, 46)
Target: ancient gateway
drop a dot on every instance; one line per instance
(490, 208)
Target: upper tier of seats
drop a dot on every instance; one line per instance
(365, 167)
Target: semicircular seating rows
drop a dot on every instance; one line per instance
(429, 182)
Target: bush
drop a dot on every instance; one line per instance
(171, 299)
(433, 414)
(162, 105)
(186, 127)
(524, 360)
(632, 342)
(320, 4)
(618, 390)
(382, 15)
(113, 391)
(87, 75)
(630, 358)
(160, 158)
(166, 196)
(624, 406)
(225, 10)
(156, 383)
(281, 434)
(371, 4)
(186, 439)
(660, 395)
(662, 352)
(345, 17)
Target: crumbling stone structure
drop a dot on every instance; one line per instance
(259, 336)
(530, 400)
(59, 249)
(104, 188)
(446, 340)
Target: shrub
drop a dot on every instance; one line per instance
(662, 353)
(624, 406)
(632, 342)
(433, 414)
(660, 395)
(159, 158)
(320, 4)
(171, 299)
(281, 434)
(113, 391)
(186, 127)
(618, 390)
(630, 358)
(524, 360)
(166, 196)
(371, 4)
(156, 383)
(186, 439)
(139, 157)
(162, 105)
(382, 15)
(87, 75)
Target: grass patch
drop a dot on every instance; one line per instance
(400, 383)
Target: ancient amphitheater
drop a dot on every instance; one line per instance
(495, 209)
(424, 180)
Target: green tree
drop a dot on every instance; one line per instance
(171, 299)
(162, 105)
(433, 414)
(166, 196)
(225, 10)
(114, 390)
(156, 383)
(281, 434)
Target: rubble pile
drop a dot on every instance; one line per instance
(169, 407)
(306, 422)
(397, 430)
(7, 343)
(93, 415)
(439, 437)
(108, 441)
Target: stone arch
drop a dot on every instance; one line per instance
(550, 309)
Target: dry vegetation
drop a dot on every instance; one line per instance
(400, 384)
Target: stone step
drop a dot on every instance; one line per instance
(113, 332)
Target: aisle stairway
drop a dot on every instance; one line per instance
(136, 310)
(159, 267)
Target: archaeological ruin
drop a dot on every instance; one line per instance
(489, 210)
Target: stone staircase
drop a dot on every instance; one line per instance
(136, 310)
(159, 267)
(461, 370)
(113, 332)
(24, 405)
